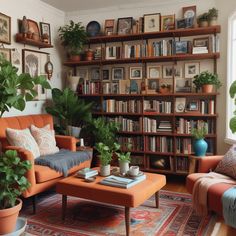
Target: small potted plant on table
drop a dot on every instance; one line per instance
(200, 145)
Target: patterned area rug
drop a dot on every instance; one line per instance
(175, 217)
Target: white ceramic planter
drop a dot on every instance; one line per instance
(124, 167)
(74, 131)
(73, 82)
(105, 170)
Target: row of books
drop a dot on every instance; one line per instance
(207, 107)
(150, 106)
(182, 164)
(136, 142)
(153, 125)
(184, 146)
(159, 144)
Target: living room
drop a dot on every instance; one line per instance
(141, 68)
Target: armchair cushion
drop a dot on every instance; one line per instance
(45, 138)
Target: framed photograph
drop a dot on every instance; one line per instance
(178, 71)
(168, 72)
(125, 25)
(189, 12)
(95, 73)
(152, 22)
(193, 105)
(5, 29)
(45, 31)
(167, 22)
(135, 73)
(183, 85)
(180, 104)
(109, 26)
(117, 73)
(105, 74)
(184, 23)
(191, 69)
(6, 52)
(154, 72)
(201, 42)
(153, 84)
(115, 88)
(181, 47)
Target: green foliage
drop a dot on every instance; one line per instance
(69, 109)
(213, 12)
(203, 17)
(123, 156)
(206, 77)
(11, 83)
(232, 92)
(12, 179)
(199, 133)
(73, 37)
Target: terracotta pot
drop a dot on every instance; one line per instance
(75, 57)
(8, 218)
(164, 90)
(203, 23)
(207, 88)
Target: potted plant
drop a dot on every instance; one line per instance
(165, 88)
(203, 20)
(12, 184)
(232, 92)
(123, 158)
(73, 37)
(71, 111)
(200, 145)
(212, 16)
(206, 80)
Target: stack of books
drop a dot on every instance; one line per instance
(199, 50)
(86, 173)
(164, 126)
(122, 182)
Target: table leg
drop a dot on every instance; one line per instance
(157, 199)
(127, 220)
(64, 204)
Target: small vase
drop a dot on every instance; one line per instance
(207, 88)
(124, 167)
(105, 170)
(200, 147)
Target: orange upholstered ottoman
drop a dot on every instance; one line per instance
(131, 197)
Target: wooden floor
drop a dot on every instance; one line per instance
(177, 184)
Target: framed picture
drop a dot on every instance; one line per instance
(5, 29)
(168, 72)
(181, 47)
(34, 28)
(153, 84)
(115, 88)
(178, 71)
(184, 23)
(152, 22)
(135, 73)
(180, 104)
(167, 22)
(45, 31)
(189, 22)
(125, 25)
(105, 74)
(95, 73)
(193, 105)
(154, 72)
(183, 85)
(83, 73)
(16, 58)
(191, 69)
(117, 73)
(189, 12)
(201, 42)
(6, 53)
(109, 26)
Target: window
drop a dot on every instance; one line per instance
(231, 74)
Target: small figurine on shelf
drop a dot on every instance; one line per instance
(24, 26)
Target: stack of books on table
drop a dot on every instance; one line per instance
(122, 182)
(86, 173)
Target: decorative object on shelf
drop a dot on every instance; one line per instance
(73, 82)
(183, 85)
(154, 72)
(109, 26)
(24, 29)
(203, 20)
(73, 37)
(180, 104)
(152, 22)
(89, 54)
(106, 74)
(212, 16)
(181, 47)
(232, 92)
(95, 73)
(117, 73)
(13, 184)
(124, 25)
(135, 73)
(201, 42)
(5, 29)
(200, 145)
(206, 80)
(189, 12)
(45, 32)
(167, 22)
(93, 28)
(153, 85)
(133, 87)
(191, 69)
(165, 88)
(49, 67)
(34, 29)
(6, 53)
(185, 23)
(193, 106)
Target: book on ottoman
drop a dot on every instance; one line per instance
(86, 173)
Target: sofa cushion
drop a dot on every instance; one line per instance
(45, 138)
(24, 139)
(227, 166)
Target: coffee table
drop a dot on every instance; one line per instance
(131, 197)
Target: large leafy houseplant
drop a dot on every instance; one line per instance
(11, 83)
(232, 92)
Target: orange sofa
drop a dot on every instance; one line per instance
(40, 177)
(216, 191)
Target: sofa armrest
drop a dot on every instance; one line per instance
(208, 163)
(67, 142)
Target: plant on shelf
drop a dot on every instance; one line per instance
(206, 80)
(212, 16)
(11, 83)
(12, 183)
(200, 145)
(71, 111)
(232, 92)
(73, 37)
(203, 20)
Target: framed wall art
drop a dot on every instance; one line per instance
(201, 42)
(152, 22)
(105, 74)
(125, 25)
(95, 73)
(45, 32)
(168, 71)
(181, 47)
(6, 52)
(154, 72)
(34, 29)
(191, 69)
(117, 73)
(167, 22)
(109, 26)
(189, 12)
(5, 29)
(135, 73)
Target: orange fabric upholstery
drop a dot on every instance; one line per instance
(40, 177)
(216, 191)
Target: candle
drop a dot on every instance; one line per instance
(81, 142)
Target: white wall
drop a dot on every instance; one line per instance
(37, 11)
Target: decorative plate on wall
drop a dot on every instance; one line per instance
(93, 28)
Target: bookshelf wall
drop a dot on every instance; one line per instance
(159, 132)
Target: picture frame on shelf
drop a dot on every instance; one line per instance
(154, 72)
(135, 72)
(183, 85)
(153, 84)
(184, 23)
(5, 35)
(109, 26)
(190, 11)
(167, 22)
(124, 25)
(105, 74)
(201, 42)
(180, 104)
(124, 86)
(189, 22)
(34, 29)
(115, 88)
(6, 52)
(181, 47)
(193, 106)
(117, 73)
(95, 73)
(45, 32)
(168, 71)
(152, 22)
(191, 69)
(178, 69)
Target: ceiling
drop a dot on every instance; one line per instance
(78, 5)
